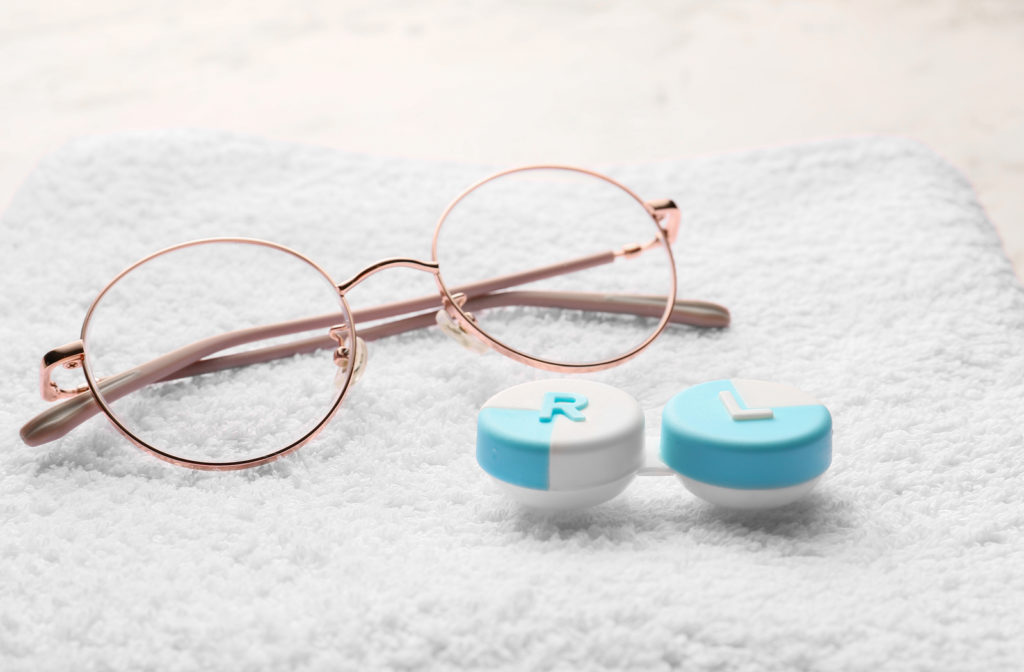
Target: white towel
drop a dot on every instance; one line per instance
(861, 271)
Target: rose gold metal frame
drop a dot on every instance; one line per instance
(100, 399)
(660, 211)
(456, 303)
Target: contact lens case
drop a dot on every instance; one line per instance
(567, 443)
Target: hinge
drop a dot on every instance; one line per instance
(70, 356)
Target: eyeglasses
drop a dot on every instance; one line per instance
(228, 353)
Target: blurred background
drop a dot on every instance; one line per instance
(512, 82)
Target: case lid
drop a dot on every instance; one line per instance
(749, 434)
(561, 434)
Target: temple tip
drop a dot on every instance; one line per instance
(701, 314)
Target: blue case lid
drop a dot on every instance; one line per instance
(746, 434)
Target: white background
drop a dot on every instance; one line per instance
(506, 83)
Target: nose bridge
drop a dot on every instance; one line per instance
(384, 264)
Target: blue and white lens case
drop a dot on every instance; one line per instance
(568, 443)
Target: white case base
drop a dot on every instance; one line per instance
(564, 500)
(736, 498)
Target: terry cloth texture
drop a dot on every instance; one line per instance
(863, 272)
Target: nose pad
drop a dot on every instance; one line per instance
(346, 356)
(449, 324)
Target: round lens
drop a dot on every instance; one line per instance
(584, 254)
(218, 352)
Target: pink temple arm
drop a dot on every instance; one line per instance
(695, 313)
(194, 359)
(189, 360)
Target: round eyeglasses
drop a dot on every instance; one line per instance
(228, 353)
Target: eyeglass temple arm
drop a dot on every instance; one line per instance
(62, 418)
(70, 356)
(694, 313)
(194, 359)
